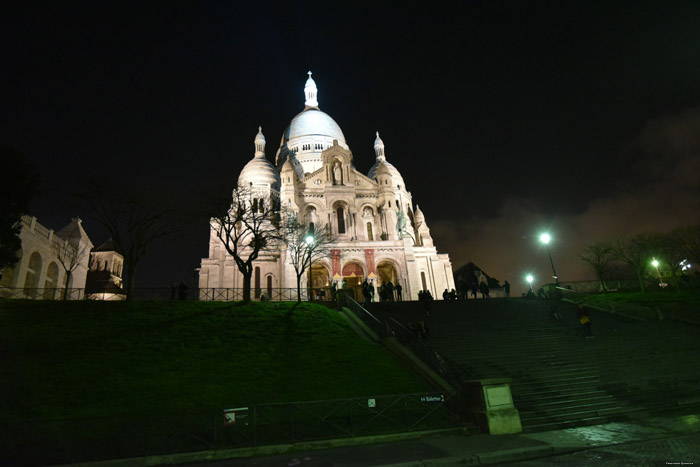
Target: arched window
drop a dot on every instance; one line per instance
(422, 279)
(257, 282)
(312, 228)
(370, 237)
(269, 286)
(341, 220)
(255, 205)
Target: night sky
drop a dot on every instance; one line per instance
(504, 118)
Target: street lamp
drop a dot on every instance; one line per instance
(529, 280)
(545, 238)
(310, 241)
(655, 263)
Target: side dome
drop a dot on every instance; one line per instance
(393, 171)
(259, 172)
(382, 162)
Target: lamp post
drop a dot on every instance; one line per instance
(529, 280)
(655, 263)
(545, 238)
(309, 243)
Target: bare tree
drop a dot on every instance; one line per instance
(688, 241)
(637, 252)
(248, 226)
(71, 250)
(599, 256)
(305, 244)
(680, 244)
(133, 219)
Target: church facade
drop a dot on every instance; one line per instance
(377, 232)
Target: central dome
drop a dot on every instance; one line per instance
(309, 134)
(313, 122)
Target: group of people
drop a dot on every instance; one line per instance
(388, 292)
(464, 290)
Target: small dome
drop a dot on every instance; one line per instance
(396, 177)
(383, 169)
(287, 165)
(259, 172)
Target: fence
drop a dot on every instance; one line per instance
(70, 441)
(322, 294)
(43, 293)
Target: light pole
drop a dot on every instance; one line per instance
(655, 263)
(309, 249)
(545, 238)
(529, 280)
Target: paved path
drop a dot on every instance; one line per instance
(647, 441)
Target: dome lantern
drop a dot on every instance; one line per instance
(260, 143)
(379, 148)
(311, 92)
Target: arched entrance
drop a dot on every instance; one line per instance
(353, 275)
(387, 272)
(320, 276)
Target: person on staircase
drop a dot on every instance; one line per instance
(585, 319)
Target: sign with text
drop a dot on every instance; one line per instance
(438, 398)
(231, 416)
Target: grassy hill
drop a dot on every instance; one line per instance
(90, 359)
(683, 305)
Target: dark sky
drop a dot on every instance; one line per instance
(504, 118)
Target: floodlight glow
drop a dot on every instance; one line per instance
(529, 278)
(655, 263)
(309, 239)
(545, 238)
(685, 265)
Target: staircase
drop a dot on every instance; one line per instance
(559, 378)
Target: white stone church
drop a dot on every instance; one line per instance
(377, 233)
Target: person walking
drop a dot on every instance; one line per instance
(506, 286)
(398, 289)
(390, 291)
(366, 294)
(585, 320)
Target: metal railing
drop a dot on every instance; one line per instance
(43, 293)
(421, 348)
(321, 294)
(365, 316)
(49, 442)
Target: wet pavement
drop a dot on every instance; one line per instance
(645, 441)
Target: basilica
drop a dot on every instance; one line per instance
(377, 232)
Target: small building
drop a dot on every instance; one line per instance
(104, 278)
(49, 262)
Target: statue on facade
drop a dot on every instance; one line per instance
(337, 174)
(401, 225)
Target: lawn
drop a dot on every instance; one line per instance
(684, 304)
(92, 359)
